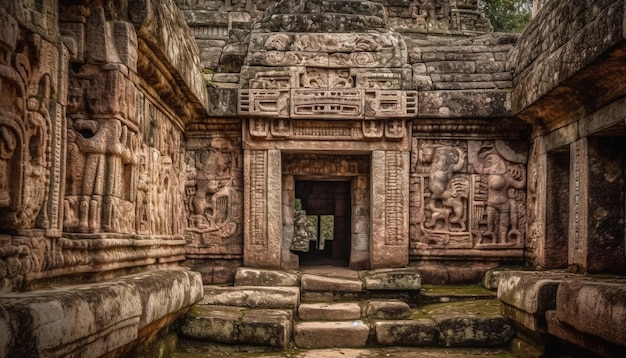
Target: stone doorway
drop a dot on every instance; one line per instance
(325, 207)
(320, 191)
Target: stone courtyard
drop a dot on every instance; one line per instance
(362, 178)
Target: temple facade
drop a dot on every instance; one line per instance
(150, 147)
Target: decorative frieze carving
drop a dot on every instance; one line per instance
(340, 104)
(346, 104)
(467, 194)
(324, 165)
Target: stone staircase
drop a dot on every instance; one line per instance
(333, 307)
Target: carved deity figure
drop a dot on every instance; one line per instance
(213, 193)
(502, 180)
(301, 236)
(447, 192)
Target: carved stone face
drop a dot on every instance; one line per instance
(494, 164)
(216, 160)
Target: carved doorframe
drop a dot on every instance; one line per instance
(380, 230)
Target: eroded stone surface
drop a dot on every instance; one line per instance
(414, 333)
(93, 319)
(329, 311)
(334, 284)
(251, 296)
(594, 308)
(387, 309)
(237, 325)
(259, 277)
(472, 323)
(331, 334)
(392, 279)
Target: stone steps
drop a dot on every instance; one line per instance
(348, 310)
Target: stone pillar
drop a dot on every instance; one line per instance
(389, 244)
(289, 260)
(263, 209)
(360, 246)
(596, 232)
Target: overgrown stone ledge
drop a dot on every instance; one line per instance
(94, 319)
(557, 307)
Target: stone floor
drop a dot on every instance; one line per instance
(212, 350)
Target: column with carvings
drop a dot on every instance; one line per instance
(263, 208)
(389, 246)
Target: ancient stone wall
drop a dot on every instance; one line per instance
(92, 168)
(563, 39)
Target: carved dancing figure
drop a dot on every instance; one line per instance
(446, 189)
(502, 214)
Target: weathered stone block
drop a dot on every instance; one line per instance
(94, 319)
(266, 327)
(392, 279)
(387, 310)
(329, 311)
(475, 332)
(322, 283)
(594, 308)
(586, 344)
(251, 296)
(532, 292)
(246, 276)
(470, 323)
(412, 333)
(351, 334)
(463, 103)
(212, 323)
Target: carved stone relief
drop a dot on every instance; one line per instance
(439, 16)
(213, 195)
(467, 194)
(25, 123)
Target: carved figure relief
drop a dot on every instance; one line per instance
(505, 182)
(471, 194)
(25, 94)
(213, 199)
(101, 158)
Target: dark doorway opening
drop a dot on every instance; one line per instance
(327, 206)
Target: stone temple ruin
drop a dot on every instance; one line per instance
(150, 147)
